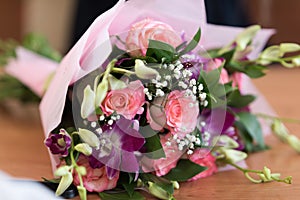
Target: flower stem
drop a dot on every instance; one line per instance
(288, 120)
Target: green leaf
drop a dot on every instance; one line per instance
(39, 44)
(237, 100)
(153, 145)
(228, 57)
(129, 187)
(120, 196)
(192, 44)
(246, 137)
(254, 71)
(160, 50)
(179, 47)
(252, 126)
(184, 170)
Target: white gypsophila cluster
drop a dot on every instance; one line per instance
(102, 118)
(187, 143)
(206, 136)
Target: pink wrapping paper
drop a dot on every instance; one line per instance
(94, 46)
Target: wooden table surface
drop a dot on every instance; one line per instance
(23, 155)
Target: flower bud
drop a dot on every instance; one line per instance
(63, 170)
(116, 84)
(233, 156)
(288, 180)
(89, 137)
(81, 170)
(294, 142)
(159, 192)
(88, 103)
(275, 176)
(82, 192)
(144, 72)
(175, 185)
(65, 181)
(226, 142)
(245, 37)
(296, 61)
(263, 178)
(288, 48)
(269, 54)
(267, 173)
(101, 92)
(84, 148)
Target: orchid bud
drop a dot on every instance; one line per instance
(269, 54)
(89, 137)
(226, 142)
(101, 92)
(82, 192)
(81, 170)
(144, 72)
(288, 180)
(267, 173)
(294, 142)
(289, 48)
(116, 84)
(233, 156)
(84, 148)
(159, 192)
(175, 185)
(296, 61)
(263, 178)
(275, 176)
(65, 181)
(63, 170)
(245, 37)
(88, 103)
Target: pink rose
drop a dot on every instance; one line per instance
(204, 158)
(138, 37)
(163, 166)
(127, 102)
(96, 180)
(181, 112)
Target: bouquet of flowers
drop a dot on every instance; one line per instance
(140, 106)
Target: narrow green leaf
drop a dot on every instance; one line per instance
(192, 44)
(120, 196)
(251, 124)
(184, 170)
(160, 50)
(153, 145)
(237, 100)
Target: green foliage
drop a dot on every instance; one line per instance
(192, 44)
(40, 45)
(250, 130)
(184, 170)
(120, 196)
(160, 50)
(237, 100)
(153, 145)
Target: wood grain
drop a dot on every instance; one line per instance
(23, 155)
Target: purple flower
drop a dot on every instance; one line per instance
(221, 122)
(118, 146)
(59, 143)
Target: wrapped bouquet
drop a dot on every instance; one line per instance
(147, 99)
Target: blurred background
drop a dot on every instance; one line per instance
(63, 21)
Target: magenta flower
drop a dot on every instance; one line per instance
(59, 143)
(119, 144)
